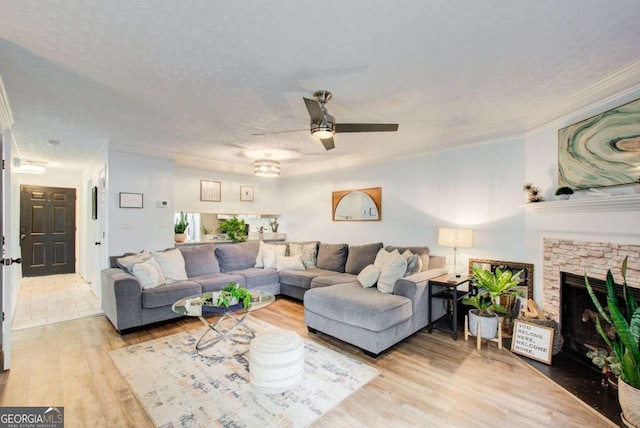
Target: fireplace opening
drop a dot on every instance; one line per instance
(577, 313)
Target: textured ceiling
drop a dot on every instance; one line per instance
(194, 79)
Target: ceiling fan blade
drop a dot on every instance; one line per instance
(328, 143)
(317, 116)
(366, 127)
(259, 134)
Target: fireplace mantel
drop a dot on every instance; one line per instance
(598, 203)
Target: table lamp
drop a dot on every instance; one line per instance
(456, 238)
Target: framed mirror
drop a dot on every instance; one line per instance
(527, 275)
(357, 204)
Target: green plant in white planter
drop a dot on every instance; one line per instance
(491, 286)
(625, 318)
(180, 227)
(231, 294)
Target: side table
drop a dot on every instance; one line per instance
(449, 321)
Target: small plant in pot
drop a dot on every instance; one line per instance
(235, 229)
(230, 295)
(491, 286)
(180, 227)
(564, 193)
(624, 316)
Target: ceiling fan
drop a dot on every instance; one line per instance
(323, 125)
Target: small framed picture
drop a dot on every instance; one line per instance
(246, 193)
(131, 200)
(210, 191)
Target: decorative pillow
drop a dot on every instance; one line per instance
(393, 269)
(369, 276)
(237, 256)
(414, 263)
(200, 260)
(171, 264)
(332, 257)
(422, 252)
(309, 252)
(380, 258)
(127, 262)
(267, 254)
(148, 274)
(361, 256)
(289, 263)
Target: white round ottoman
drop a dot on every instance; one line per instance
(276, 361)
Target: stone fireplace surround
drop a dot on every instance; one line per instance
(580, 257)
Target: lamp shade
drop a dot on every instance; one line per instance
(266, 168)
(458, 238)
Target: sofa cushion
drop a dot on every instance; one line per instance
(172, 264)
(369, 276)
(128, 260)
(308, 251)
(423, 252)
(332, 257)
(392, 270)
(361, 307)
(200, 260)
(237, 256)
(414, 263)
(361, 256)
(268, 253)
(324, 281)
(168, 294)
(289, 263)
(215, 281)
(148, 273)
(255, 277)
(302, 278)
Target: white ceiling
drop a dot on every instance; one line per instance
(194, 79)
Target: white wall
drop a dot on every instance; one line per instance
(477, 187)
(151, 227)
(267, 196)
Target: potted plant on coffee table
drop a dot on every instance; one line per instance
(625, 318)
(231, 295)
(180, 227)
(491, 287)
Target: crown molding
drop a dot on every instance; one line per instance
(6, 118)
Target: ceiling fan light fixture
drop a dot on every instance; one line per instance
(266, 168)
(322, 132)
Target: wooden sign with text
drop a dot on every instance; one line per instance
(532, 341)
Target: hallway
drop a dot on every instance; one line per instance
(54, 298)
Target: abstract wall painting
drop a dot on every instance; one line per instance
(601, 151)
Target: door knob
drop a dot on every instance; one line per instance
(8, 262)
(23, 236)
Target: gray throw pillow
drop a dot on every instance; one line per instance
(361, 256)
(200, 260)
(237, 256)
(423, 252)
(332, 257)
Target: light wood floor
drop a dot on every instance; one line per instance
(428, 380)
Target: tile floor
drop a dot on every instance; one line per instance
(54, 298)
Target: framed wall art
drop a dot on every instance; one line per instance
(131, 200)
(210, 191)
(246, 193)
(601, 151)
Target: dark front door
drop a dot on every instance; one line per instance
(47, 230)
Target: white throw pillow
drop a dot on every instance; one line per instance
(380, 258)
(308, 251)
(369, 276)
(414, 263)
(289, 263)
(267, 255)
(148, 274)
(127, 262)
(393, 269)
(172, 265)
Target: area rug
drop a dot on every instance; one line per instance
(179, 388)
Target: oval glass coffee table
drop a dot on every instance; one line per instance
(237, 331)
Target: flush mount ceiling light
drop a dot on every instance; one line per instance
(266, 168)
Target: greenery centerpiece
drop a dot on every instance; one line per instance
(235, 229)
(486, 303)
(180, 227)
(625, 318)
(231, 294)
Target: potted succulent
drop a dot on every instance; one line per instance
(180, 227)
(564, 193)
(235, 229)
(230, 295)
(625, 318)
(491, 287)
(206, 233)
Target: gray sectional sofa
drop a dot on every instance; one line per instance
(335, 303)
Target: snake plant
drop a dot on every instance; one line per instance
(181, 224)
(627, 326)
